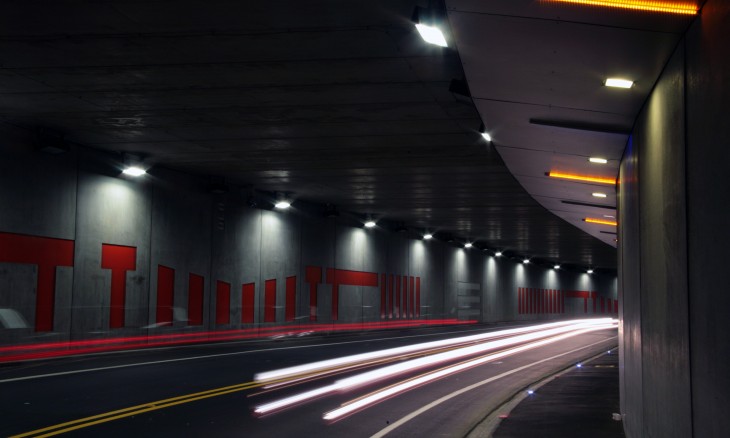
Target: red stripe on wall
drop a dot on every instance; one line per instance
(195, 299)
(397, 296)
(248, 300)
(119, 259)
(291, 298)
(47, 253)
(222, 302)
(519, 300)
(313, 276)
(383, 295)
(412, 291)
(418, 297)
(562, 301)
(615, 306)
(404, 312)
(165, 292)
(391, 298)
(270, 300)
(594, 295)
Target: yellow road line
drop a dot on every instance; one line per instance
(134, 410)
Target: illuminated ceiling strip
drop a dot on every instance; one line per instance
(592, 220)
(638, 5)
(583, 178)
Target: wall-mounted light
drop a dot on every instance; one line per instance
(484, 133)
(498, 254)
(599, 195)
(134, 171)
(427, 236)
(589, 271)
(618, 83)
(282, 202)
(598, 160)
(581, 178)
(593, 220)
(369, 224)
(468, 245)
(429, 24)
(525, 261)
(556, 267)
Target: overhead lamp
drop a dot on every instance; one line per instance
(282, 205)
(582, 178)
(618, 83)
(556, 267)
(468, 245)
(498, 254)
(134, 171)
(599, 195)
(485, 134)
(598, 160)
(369, 224)
(641, 5)
(525, 261)
(592, 220)
(428, 27)
(427, 236)
(589, 271)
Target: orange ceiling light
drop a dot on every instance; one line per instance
(582, 178)
(681, 8)
(592, 220)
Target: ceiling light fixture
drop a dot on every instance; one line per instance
(369, 224)
(641, 5)
(592, 220)
(599, 195)
(467, 245)
(525, 261)
(428, 26)
(556, 267)
(485, 134)
(134, 171)
(427, 236)
(598, 160)
(590, 271)
(282, 205)
(582, 178)
(618, 83)
(498, 254)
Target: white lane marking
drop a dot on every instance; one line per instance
(457, 393)
(208, 356)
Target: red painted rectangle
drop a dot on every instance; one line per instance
(248, 300)
(270, 300)
(418, 297)
(541, 297)
(291, 299)
(562, 301)
(119, 259)
(404, 312)
(519, 300)
(383, 295)
(615, 306)
(165, 292)
(222, 302)
(412, 300)
(195, 299)
(552, 300)
(391, 298)
(397, 296)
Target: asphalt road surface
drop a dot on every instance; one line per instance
(212, 390)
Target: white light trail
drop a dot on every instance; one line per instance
(414, 364)
(391, 391)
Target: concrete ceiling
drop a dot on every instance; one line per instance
(342, 102)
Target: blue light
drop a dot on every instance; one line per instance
(580, 365)
(530, 392)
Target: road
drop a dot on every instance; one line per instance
(221, 389)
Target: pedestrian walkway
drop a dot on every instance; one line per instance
(579, 403)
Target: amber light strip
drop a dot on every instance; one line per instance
(638, 5)
(592, 220)
(593, 179)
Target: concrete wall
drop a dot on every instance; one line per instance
(143, 240)
(672, 240)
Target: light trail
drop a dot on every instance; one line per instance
(326, 365)
(435, 359)
(391, 391)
